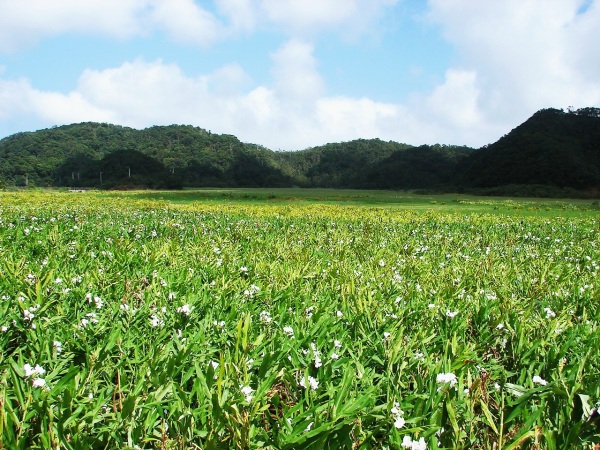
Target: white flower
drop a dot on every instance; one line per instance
(184, 310)
(155, 321)
(58, 346)
(335, 356)
(398, 416)
(247, 391)
(447, 378)
(313, 383)
(172, 296)
(408, 443)
(499, 326)
(28, 315)
(451, 314)
(549, 313)
(337, 344)
(399, 422)
(265, 317)
(289, 331)
(539, 380)
(38, 382)
(339, 314)
(33, 371)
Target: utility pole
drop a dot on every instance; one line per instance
(129, 172)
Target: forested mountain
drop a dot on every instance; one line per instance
(74, 155)
(553, 149)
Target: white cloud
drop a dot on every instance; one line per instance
(24, 22)
(307, 16)
(515, 57)
(186, 22)
(295, 71)
(526, 55)
(242, 14)
(343, 118)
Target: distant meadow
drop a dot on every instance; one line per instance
(290, 319)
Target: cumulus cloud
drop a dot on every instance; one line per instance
(24, 22)
(526, 55)
(242, 14)
(295, 71)
(309, 16)
(186, 22)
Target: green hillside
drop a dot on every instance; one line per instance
(552, 153)
(552, 148)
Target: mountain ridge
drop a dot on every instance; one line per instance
(553, 148)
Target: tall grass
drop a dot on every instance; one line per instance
(146, 325)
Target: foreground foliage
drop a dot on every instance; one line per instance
(147, 325)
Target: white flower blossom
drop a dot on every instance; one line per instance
(398, 416)
(265, 317)
(184, 310)
(289, 331)
(33, 371)
(38, 382)
(408, 443)
(447, 378)
(247, 391)
(155, 321)
(312, 382)
(539, 380)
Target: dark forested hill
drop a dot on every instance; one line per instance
(72, 155)
(553, 149)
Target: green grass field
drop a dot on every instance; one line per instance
(292, 319)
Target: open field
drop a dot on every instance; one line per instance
(297, 319)
(397, 200)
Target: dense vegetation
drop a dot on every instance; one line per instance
(553, 147)
(139, 324)
(553, 153)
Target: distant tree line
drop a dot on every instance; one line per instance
(554, 148)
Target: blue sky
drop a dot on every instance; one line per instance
(291, 74)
